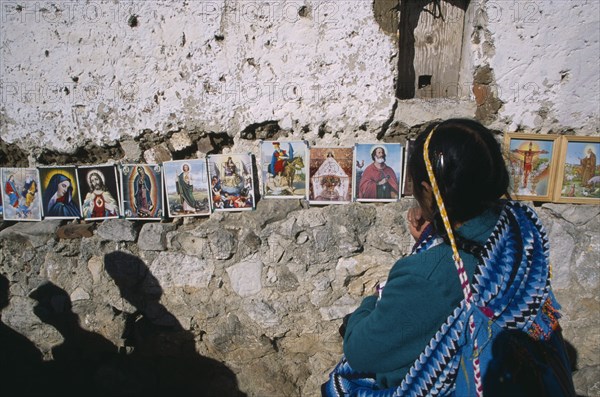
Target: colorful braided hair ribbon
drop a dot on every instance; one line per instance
(462, 274)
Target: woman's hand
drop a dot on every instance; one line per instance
(416, 222)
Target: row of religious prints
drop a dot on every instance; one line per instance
(542, 167)
(197, 187)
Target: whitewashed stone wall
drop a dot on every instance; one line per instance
(101, 71)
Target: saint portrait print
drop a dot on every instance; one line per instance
(186, 185)
(231, 182)
(99, 192)
(142, 191)
(21, 194)
(378, 171)
(330, 175)
(579, 170)
(283, 167)
(60, 193)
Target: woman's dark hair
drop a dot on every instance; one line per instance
(468, 166)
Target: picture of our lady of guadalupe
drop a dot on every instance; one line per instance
(60, 193)
(21, 194)
(231, 182)
(142, 191)
(284, 169)
(330, 175)
(186, 185)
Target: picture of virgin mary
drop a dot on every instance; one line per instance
(58, 198)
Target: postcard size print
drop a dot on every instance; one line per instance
(99, 192)
(231, 182)
(21, 196)
(142, 191)
(60, 192)
(378, 171)
(283, 168)
(330, 175)
(186, 188)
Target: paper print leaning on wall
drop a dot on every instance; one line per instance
(378, 170)
(60, 193)
(21, 194)
(283, 165)
(186, 187)
(231, 182)
(330, 175)
(99, 192)
(142, 191)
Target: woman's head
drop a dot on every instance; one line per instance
(468, 166)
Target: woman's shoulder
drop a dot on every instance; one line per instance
(425, 263)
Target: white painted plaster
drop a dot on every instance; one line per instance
(334, 66)
(546, 58)
(224, 65)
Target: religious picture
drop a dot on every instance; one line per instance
(530, 161)
(330, 175)
(231, 182)
(407, 182)
(142, 191)
(579, 171)
(1, 209)
(378, 170)
(186, 185)
(21, 194)
(60, 193)
(99, 192)
(284, 169)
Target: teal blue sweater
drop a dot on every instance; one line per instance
(422, 290)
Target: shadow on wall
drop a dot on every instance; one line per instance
(163, 355)
(159, 359)
(20, 360)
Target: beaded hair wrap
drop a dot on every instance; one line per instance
(462, 274)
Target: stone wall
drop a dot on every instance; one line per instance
(263, 293)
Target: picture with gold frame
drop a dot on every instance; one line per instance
(531, 161)
(578, 176)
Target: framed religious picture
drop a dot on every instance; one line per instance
(231, 178)
(578, 171)
(99, 192)
(377, 171)
(21, 194)
(60, 192)
(330, 175)
(186, 188)
(141, 188)
(531, 161)
(407, 183)
(1, 209)
(283, 169)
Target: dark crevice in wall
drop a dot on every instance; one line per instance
(263, 130)
(88, 154)
(12, 156)
(218, 141)
(388, 122)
